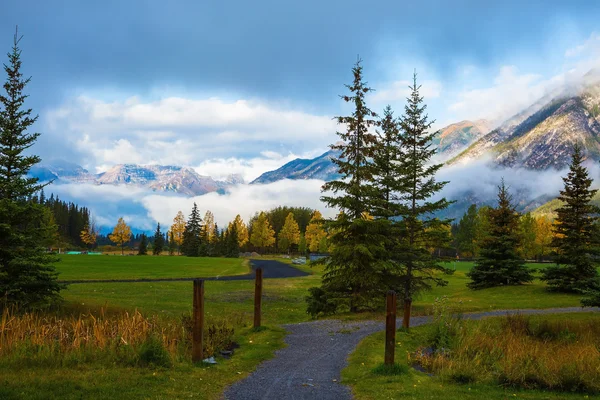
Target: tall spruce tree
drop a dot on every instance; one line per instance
(499, 262)
(143, 246)
(192, 234)
(232, 247)
(159, 241)
(352, 270)
(27, 276)
(417, 230)
(576, 236)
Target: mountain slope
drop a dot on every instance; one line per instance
(300, 168)
(454, 138)
(161, 178)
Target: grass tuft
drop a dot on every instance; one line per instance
(391, 370)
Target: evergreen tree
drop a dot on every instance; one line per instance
(417, 230)
(576, 234)
(192, 234)
(159, 241)
(172, 243)
(143, 247)
(499, 262)
(27, 276)
(232, 247)
(466, 233)
(352, 275)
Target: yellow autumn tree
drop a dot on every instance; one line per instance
(543, 235)
(177, 229)
(120, 234)
(315, 233)
(289, 235)
(88, 235)
(241, 228)
(209, 226)
(263, 235)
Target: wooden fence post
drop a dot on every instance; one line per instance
(257, 297)
(198, 328)
(390, 328)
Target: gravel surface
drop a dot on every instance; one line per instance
(311, 364)
(271, 269)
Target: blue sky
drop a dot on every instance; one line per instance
(243, 87)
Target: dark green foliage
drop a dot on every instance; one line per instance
(143, 247)
(318, 303)
(192, 234)
(466, 233)
(231, 245)
(159, 241)
(153, 353)
(576, 234)
(353, 271)
(27, 276)
(499, 262)
(417, 230)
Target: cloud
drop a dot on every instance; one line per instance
(591, 45)
(182, 131)
(142, 208)
(400, 90)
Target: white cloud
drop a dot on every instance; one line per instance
(591, 45)
(182, 131)
(142, 208)
(399, 91)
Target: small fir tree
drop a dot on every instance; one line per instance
(576, 234)
(192, 234)
(172, 244)
(159, 241)
(143, 246)
(499, 262)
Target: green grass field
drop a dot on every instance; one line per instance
(283, 302)
(85, 267)
(418, 385)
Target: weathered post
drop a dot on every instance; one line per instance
(390, 328)
(257, 297)
(198, 328)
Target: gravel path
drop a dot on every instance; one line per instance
(271, 269)
(311, 364)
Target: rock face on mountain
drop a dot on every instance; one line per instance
(545, 138)
(455, 138)
(161, 178)
(300, 168)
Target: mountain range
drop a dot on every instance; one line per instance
(539, 138)
(182, 180)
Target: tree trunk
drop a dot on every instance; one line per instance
(406, 318)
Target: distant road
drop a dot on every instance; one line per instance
(271, 269)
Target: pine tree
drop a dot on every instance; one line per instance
(121, 234)
(499, 262)
(192, 234)
(143, 246)
(27, 274)
(232, 248)
(289, 234)
(352, 275)
(417, 230)
(576, 234)
(159, 241)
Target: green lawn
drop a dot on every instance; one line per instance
(418, 385)
(283, 302)
(86, 267)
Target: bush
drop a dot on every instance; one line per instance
(152, 352)
(319, 303)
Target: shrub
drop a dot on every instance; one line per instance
(152, 352)
(319, 303)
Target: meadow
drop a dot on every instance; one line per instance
(230, 303)
(538, 357)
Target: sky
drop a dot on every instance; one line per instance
(243, 87)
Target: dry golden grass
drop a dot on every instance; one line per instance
(522, 352)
